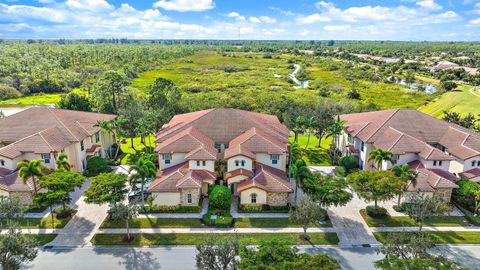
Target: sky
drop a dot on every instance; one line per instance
(416, 20)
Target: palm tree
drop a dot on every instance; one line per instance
(299, 171)
(144, 168)
(407, 174)
(378, 156)
(62, 163)
(31, 170)
(308, 126)
(111, 127)
(334, 131)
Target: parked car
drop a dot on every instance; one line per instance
(138, 183)
(137, 195)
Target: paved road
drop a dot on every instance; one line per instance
(180, 258)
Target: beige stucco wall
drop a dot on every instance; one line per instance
(429, 164)
(409, 194)
(166, 198)
(468, 163)
(264, 158)
(236, 179)
(455, 167)
(10, 164)
(246, 199)
(209, 166)
(231, 163)
(177, 158)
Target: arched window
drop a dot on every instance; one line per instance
(253, 198)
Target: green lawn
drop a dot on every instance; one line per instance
(38, 223)
(126, 146)
(198, 238)
(405, 221)
(156, 223)
(460, 100)
(271, 223)
(43, 239)
(442, 237)
(312, 154)
(40, 99)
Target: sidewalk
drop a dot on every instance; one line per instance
(216, 230)
(426, 229)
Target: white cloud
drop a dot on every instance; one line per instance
(335, 28)
(185, 5)
(91, 5)
(283, 12)
(474, 22)
(314, 18)
(429, 4)
(262, 19)
(237, 16)
(18, 12)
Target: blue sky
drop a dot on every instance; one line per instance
(247, 19)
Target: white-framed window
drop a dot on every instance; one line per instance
(204, 163)
(242, 163)
(2, 162)
(167, 158)
(189, 198)
(97, 137)
(46, 158)
(394, 159)
(237, 163)
(274, 159)
(82, 146)
(198, 163)
(218, 147)
(253, 198)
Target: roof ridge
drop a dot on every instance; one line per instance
(63, 124)
(384, 123)
(80, 125)
(401, 135)
(43, 138)
(273, 176)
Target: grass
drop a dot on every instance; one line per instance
(199, 238)
(39, 223)
(155, 223)
(460, 100)
(40, 99)
(405, 221)
(126, 146)
(313, 155)
(271, 223)
(43, 239)
(442, 237)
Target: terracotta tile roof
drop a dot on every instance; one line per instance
(92, 148)
(14, 183)
(179, 176)
(195, 178)
(268, 179)
(223, 125)
(371, 127)
(254, 140)
(416, 164)
(190, 140)
(470, 174)
(202, 153)
(428, 180)
(238, 172)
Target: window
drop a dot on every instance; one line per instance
(83, 164)
(434, 163)
(478, 163)
(363, 146)
(46, 158)
(2, 162)
(274, 159)
(394, 159)
(218, 147)
(167, 158)
(243, 163)
(440, 163)
(437, 163)
(204, 163)
(97, 137)
(237, 163)
(225, 145)
(189, 198)
(350, 139)
(82, 146)
(473, 163)
(253, 198)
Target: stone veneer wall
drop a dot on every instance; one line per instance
(25, 197)
(195, 196)
(277, 199)
(447, 193)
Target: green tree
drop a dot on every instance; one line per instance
(59, 185)
(16, 249)
(408, 175)
(220, 197)
(305, 213)
(124, 212)
(327, 190)
(31, 170)
(313, 262)
(76, 102)
(108, 90)
(11, 207)
(378, 156)
(422, 207)
(164, 94)
(448, 85)
(218, 254)
(111, 127)
(96, 165)
(375, 185)
(143, 169)
(62, 162)
(299, 172)
(107, 188)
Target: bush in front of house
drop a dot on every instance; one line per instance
(376, 212)
(64, 213)
(400, 208)
(219, 197)
(96, 165)
(264, 208)
(464, 194)
(223, 219)
(147, 209)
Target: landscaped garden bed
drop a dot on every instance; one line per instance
(449, 237)
(218, 219)
(155, 223)
(263, 209)
(40, 223)
(169, 209)
(199, 238)
(405, 221)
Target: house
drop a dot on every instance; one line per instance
(43, 133)
(440, 151)
(245, 150)
(446, 65)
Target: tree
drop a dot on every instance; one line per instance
(422, 207)
(295, 152)
(469, 121)
(218, 254)
(108, 90)
(306, 212)
(59, 185)
(375, 185)
(76, 102)
(31, 170)
(96, 165)
(313, 262)
(323, 119)
(378, 156)
(107, 188)
(124, 212)
(335, 129)
(327, 190)
(11, 207)
(299, 171)
(220, 197)
(16, 249)
(144, 168)
(62, 162)
(408, 175)
(295, 120)
(467, 195)
(163, 94)
(448, 85)
(111, 127)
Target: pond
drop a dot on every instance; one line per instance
(427, 88)
(8, 110)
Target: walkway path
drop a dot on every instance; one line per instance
(472, 91)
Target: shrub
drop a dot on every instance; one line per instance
(147, 209)
(63, 213)
(7, 92)
(376, 212)
(400, 208)
(348, 162)
(96, 165)
(220, 197)
(470, 216)
(463, 195)
(223, 219)
(264, 208)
